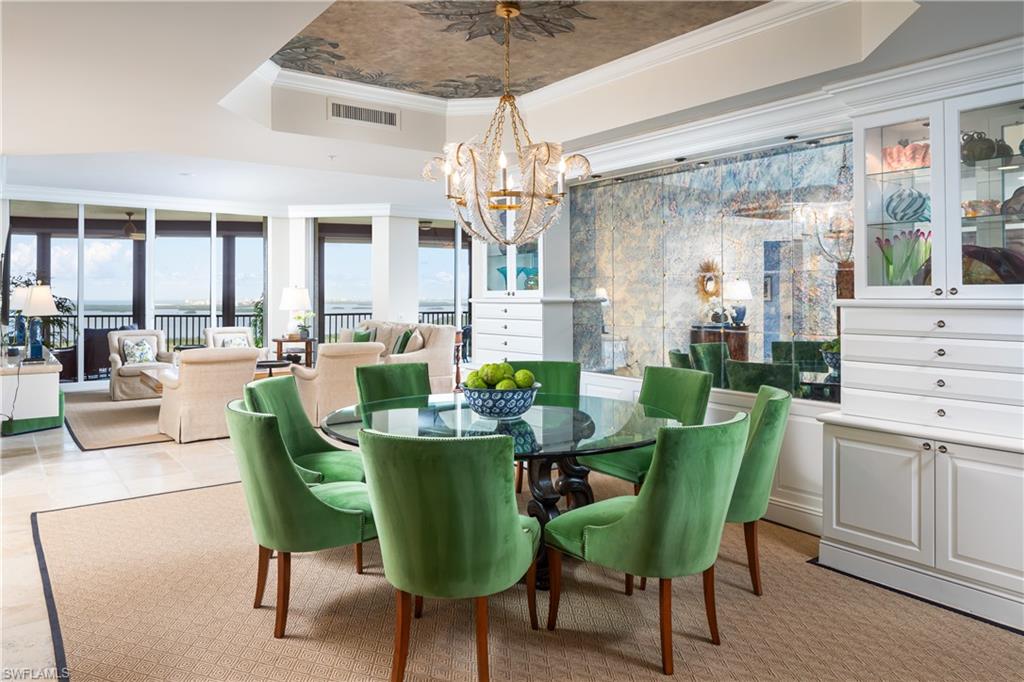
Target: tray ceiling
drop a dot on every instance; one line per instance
(452, 49)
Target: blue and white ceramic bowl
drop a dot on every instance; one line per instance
(503, 405)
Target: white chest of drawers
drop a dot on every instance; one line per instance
(527, 329)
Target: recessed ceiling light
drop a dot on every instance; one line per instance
(332, 157)
(618, 179)
(187, 174)
(679, 159)
(813, 143)
(702, 164)
(791, 137)
(596, 176)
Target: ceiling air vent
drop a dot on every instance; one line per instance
(365, 115)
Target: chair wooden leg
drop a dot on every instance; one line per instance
(262, 567)
(359, 558)
(519, 477)
(554, 585)
(417, 609)
(403, 620)
(665, 601)
(709, 603)
(480, 607)
(753, 558)
(629, 584)
(643, 580)
(636, 488)
(284, 581)
(643, 583)
(531, 593)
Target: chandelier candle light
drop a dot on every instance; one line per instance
(486, 203)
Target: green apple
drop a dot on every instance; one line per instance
(475, 382)
(506, 371)
(524, 378)
(474, 375)
(506, 385)
(491, 374)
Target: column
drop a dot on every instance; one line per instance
(286, 266)
(396, 295)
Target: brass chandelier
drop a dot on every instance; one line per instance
(488, 201)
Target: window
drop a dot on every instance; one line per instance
(241, 272)
(437, 274)
(344, 275)
(181, 276)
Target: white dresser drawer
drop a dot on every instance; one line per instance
(507, 311)
(508, 327)
(999, 420)
(509, 344)
(992, 356)
(482, 356)
(936, 382)
(963, 323)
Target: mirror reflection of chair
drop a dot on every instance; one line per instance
(711, 357)
(804, 354)
(750, 376)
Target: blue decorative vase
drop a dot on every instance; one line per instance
(19, 330)
(501, 405)
(833, 362)
(740, 316)
(908, 205)
(35, 339)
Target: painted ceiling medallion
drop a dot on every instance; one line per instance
(477, 19)
(441, 47)
(489, 202)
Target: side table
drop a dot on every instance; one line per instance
(307, 348)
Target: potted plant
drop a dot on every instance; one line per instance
(830, 353)
(303, 320)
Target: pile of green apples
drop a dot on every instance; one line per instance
(501, 376)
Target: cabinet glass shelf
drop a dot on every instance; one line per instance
(992, 220)
(998, 165)
(901, 173)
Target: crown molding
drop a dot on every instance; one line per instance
(336, 87)
(66, 195)
(829, 110)
(268, 72)
(424, 212)
(974, 70)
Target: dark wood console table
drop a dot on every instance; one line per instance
(734, 337)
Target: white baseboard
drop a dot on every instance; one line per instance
(921, 582)
(807, 520)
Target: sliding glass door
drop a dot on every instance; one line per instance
(182, 265)
(238, 286)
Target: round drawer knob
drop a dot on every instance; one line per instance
(504, 310)
(941, 412)
(504, 343)
(942, 449)
(940, 352)
(504, 326)
(940, 383)
(954, 291)
(926, 446)
(937, 292)
(940, 324)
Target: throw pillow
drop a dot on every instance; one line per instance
(401, 342)
(234, 341)
(138, 352)
(416, 342)
(364, 335)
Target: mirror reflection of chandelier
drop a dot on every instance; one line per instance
(832, 223)
(489, 202)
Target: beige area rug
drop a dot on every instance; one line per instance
(161, 588)
(96, 422)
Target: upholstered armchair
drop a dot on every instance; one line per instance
(232, 337)
(332, 383)
(438, 349)
(206, 381)
(125, 376)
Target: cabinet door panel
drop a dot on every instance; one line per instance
(880, 493)
(979, 509)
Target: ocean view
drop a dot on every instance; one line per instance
(246, 308)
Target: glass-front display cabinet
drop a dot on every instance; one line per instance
(512, 270)
(985, 194)
(898, 204)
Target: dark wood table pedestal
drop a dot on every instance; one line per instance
(571, 483)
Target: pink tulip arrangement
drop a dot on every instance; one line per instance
(904, 254)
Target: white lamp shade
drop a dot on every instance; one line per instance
(737, 290)
(295, 298)
(39, 302)
(19, 296)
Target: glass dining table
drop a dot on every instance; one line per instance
(550, 438)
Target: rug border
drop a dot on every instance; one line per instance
(1009, 628)
(59, 655)
(78, 443)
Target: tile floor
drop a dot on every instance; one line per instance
(46, 470)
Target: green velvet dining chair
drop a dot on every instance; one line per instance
(679, 359)
(768, 419)
(673, 528)
(804, 354)
(287, 515)
(711, 357)
(559, 385)
(750, 376)
(449, 527)
(377, 383)
(317, 460)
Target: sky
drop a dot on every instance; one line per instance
(182, 269)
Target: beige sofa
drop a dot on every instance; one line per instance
(332, 383)
(438, 350)
(125, 379)
(217, 337)
(206, 381)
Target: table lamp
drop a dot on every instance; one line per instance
(737, 290)
(294, 299)
(19, 295)
(38, 304)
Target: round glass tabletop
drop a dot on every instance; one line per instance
(556, 425)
